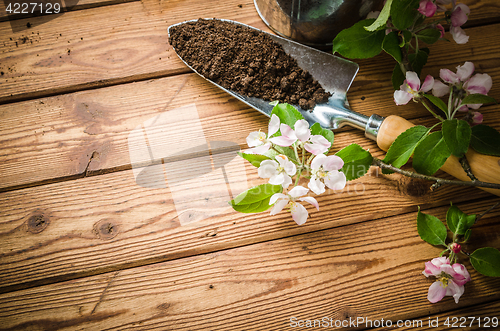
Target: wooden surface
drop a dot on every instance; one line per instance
(85, 247)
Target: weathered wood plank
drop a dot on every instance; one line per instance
(122, 219)
(369, 270)
(105, 46)
(87, 132)
(130, 46)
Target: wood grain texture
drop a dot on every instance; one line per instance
(107, 222)
(108, 45)
(60, 134)
(347, 272)
(128, 42)
(99, 231)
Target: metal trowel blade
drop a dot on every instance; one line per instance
(333, 73)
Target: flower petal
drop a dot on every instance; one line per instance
(448, 76)
(477, 118)
(413, 80)
(317, 162)
(278, 206)
(316, 186)
(479, 83)
(302, 130)
(287, 181)
(436, 292)
(333, 162)
(440, 89)
(259, 149)
(299, 213)
(274, 125)
(268, 168)
(286, 164)
(298, 191)
(283, 141)
(463, 275)
(277, 179)
(428, 84)
(441, 29)
(465, 71)
(277, 196)
(427, 8)
(459, 15)
(454, 290)
(318, 145)
(402, 97)
(287, 131)
(312, 201)
(459, 35)
(255, 138)
(335, 180)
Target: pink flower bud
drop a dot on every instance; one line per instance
(456, 248)
(477, 118)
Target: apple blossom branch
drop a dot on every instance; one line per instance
(440, 181)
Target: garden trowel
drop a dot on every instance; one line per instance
(335, 75)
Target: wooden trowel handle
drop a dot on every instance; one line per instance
(486, 168)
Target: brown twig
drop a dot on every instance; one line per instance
(439, 181)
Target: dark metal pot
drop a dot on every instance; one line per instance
(313, 22)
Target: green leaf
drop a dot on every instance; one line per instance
(397, 77)
(407, 36)
(459, 222)
(255, 199)
(287, 114)
(357, 43)
(456, 134)
(391, 46)
(381, 21)
(430, 154)
(485, 140)
(431, 229)
(429, 36)
(475, 99)
(403, 13)
(403, 147)
(316, 129)
(357, 161)
(254, 159)
(486, 260)
(467, 235)
(437, 102)
(418, 60)
(290, 154)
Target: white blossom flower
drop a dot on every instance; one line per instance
(325, 171)
(259, 140)
(410, 89)
(287, 138)
(450, 279)
(317, 145)
(299, 212)
(279, 173)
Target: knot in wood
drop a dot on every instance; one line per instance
(37, 222)
(106, 229)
